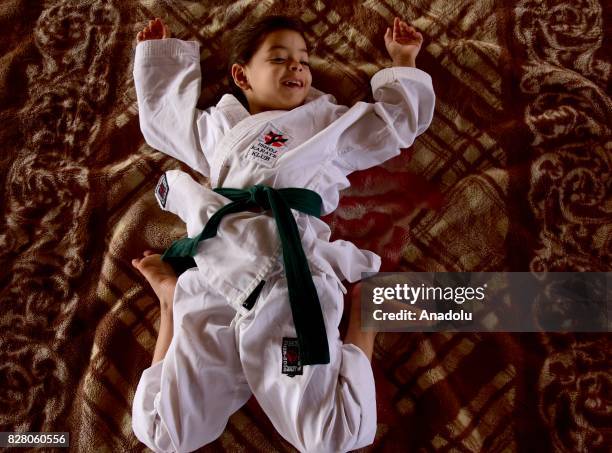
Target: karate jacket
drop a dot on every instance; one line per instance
(314, 146)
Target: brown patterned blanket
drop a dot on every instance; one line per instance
(513, 174)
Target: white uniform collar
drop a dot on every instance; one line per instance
(233, 108)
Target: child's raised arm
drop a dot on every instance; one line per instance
(167, 80)
(403, 108)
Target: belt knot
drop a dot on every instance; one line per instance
(258, 194)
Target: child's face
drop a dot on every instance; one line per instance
(282, 56)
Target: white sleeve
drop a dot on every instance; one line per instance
(404, 107)
(167, 80)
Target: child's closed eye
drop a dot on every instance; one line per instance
(283, 59)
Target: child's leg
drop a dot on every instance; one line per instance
(163, 280)
(354, 335)
(184, 401)
(322, 408)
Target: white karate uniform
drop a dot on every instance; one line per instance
(222, 352)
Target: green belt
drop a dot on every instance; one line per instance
(303, 299)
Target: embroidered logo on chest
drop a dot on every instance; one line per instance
(269, 146)
(292, 364)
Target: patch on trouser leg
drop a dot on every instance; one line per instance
(161, 191)
(291, 357)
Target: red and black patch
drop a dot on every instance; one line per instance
(161, 191)
(274, 139)
(291, 357)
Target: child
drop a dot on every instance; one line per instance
(258, 300)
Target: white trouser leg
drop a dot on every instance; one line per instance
(184, 401)
(328, 408)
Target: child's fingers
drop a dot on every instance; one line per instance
(161, 29)
(157, 28)
(411, 31)
(388, 36)
(405, 25)
(146, 30)
(166, 31)
(396, 28)
(403, 32)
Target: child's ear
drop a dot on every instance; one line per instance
(239, 77)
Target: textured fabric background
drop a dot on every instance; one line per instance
(513, 174)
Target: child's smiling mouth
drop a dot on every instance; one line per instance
(293, 83)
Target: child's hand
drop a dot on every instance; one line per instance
(403, 43)
(156, 30)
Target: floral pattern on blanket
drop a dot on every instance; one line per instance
(514, 174)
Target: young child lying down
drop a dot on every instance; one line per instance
(258, 299)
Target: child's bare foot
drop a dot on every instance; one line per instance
(155, 30)
(160, 276)
(354, 335)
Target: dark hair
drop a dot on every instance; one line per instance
(245, 41)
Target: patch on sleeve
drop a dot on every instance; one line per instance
(161, 191)
(291, 357)
(269, 145)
